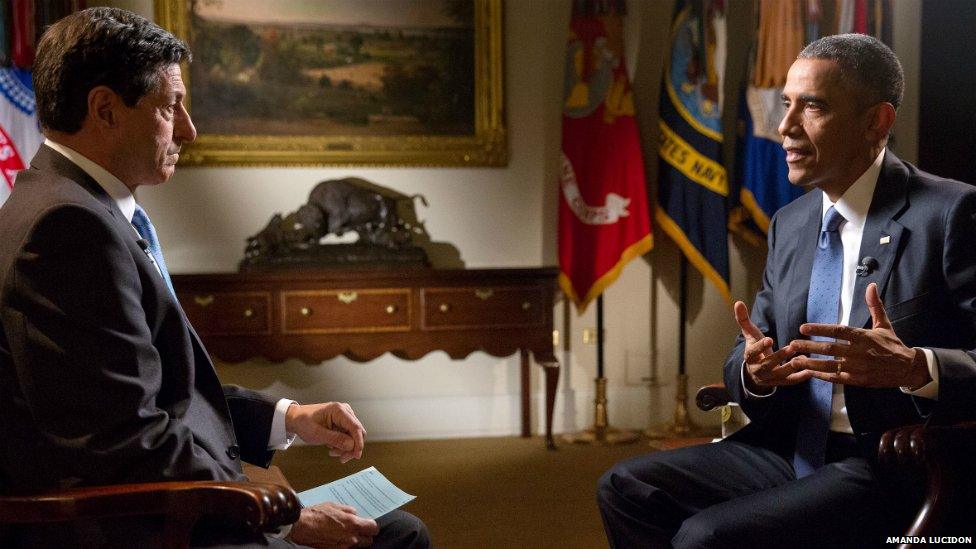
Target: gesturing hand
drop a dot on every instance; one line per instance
(869, 358)
(333, 525)
(332, 424)
(764, 367)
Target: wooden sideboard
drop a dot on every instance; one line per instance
(317, 315)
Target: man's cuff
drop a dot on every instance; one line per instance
(282, 532)
(931, 389)
(280, 439)
(750, 394)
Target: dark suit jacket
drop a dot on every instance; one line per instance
(927, 279)
(102, 379)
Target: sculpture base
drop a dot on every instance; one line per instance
(340, 256)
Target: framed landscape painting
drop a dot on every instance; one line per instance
(353, 82)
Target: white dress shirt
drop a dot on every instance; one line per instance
(279, 438)
(854, 205)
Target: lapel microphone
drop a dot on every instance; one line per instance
(868, 265)
(144, 244)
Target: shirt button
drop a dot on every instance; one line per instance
(234, 452)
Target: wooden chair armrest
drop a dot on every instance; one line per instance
(712, 396)
(913, 444)
(902, 446)
(259, 507)
(944, 454)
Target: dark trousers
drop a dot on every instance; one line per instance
(730, 494)
(401, 530)
(398, 530)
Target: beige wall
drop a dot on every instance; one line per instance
(495, 217)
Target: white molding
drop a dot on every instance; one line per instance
(421, 418)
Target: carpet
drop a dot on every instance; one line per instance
(485, 492)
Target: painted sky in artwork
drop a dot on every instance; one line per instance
(393, 13)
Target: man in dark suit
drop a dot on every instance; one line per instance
(102, 380)
(822, 367)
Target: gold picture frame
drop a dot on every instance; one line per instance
(482, 140)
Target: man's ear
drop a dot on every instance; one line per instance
(103, 107)
(882, 119)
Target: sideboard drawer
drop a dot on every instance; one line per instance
(488, 307)
(338, 311)
(228, 313)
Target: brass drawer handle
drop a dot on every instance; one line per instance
(390, 309)
(484, 294)
(203, 300)
(444, 307)
(248, 313)
(348, 297)
(306, 311)
(526, 305)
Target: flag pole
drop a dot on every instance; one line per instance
(681, 425)
(601, 432)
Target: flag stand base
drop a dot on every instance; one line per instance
(601, 432)
(681, 426)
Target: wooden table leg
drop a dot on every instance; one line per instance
(552, 380)
(526, 403)
(551, 368)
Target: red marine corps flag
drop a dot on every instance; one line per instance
(603, 213)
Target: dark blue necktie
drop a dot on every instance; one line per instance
(823, 306)
(146, 230)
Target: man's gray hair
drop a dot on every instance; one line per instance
(865, 62)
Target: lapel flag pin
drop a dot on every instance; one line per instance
(885, 239)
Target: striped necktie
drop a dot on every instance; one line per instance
(823, 306)
(146, 230)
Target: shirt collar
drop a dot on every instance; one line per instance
(112, 185)
(856, 200)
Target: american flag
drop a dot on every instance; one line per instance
(20, 134)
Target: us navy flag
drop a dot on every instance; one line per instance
(693, 186)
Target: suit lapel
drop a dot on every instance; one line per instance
(799, 285)
(47, 159)
(882, 235)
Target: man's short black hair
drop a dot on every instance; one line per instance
(99, 47)
(865, 62)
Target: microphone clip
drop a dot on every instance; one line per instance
(144, 244)
(868, 265)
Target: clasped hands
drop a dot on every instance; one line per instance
(335, 425)
(873, 357)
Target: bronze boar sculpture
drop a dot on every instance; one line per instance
(384, 220)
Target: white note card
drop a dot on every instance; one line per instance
(368, 491)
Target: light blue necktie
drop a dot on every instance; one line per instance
(146, 230)
(823, 306)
